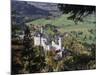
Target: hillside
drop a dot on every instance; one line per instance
(65, 25)
(26, 11)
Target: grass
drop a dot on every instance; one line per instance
(66, 25)
(62, 20)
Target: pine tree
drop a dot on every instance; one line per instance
(28, 52)
(33, 57)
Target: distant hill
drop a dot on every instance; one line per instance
(51, 7)
(26, 11)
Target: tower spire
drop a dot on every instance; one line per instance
(41, 29)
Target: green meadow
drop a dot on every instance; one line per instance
(87, 27)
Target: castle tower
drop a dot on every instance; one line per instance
(41, 30)
(59, 41)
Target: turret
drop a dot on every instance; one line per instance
(41, 30)
(59, 41)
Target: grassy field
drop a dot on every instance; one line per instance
(66, 25)
(62, 20)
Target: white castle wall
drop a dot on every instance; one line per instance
(41, 42)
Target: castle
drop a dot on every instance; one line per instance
(40, 39)
(48, 43)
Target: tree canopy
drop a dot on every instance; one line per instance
(77, 11)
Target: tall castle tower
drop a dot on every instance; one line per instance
(59, 41)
